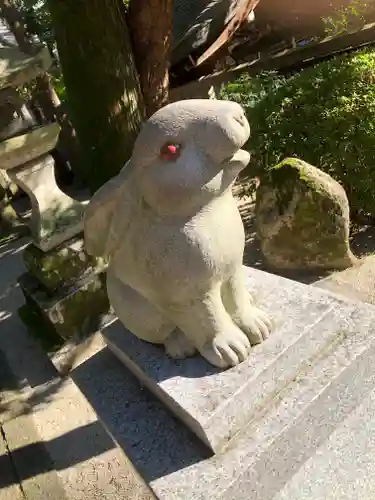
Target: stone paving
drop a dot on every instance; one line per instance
(59, 453)
(50, 450)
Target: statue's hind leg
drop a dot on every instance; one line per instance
(137, 313)
(145, 321)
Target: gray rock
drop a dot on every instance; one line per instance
(302, 217)
(17, 68)
(24, 148)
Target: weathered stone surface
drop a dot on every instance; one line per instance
(26, 147)
(55, 216)
(59, 447)
(15, 118)
(172, 232)
(216, 404)
(17, 68)
(61, 266)
(345, 461)
(357, 283)
(10, 488)
(73, 313)
(65, 355)
(302, 217)
(320, 412)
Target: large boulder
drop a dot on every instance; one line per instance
(302, 218)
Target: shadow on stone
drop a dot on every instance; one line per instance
(82, 443)
(137, 421)
(363, 240)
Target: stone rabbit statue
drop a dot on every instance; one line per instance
(171, 231)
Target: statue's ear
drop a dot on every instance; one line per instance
(100, 212)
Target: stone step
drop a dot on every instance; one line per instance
(286, 434)
(356, 283)
(216, 404)
(58, 446)
(171, 460)
(298, 421)
(300, 445)
(299, 385)
(345, 460)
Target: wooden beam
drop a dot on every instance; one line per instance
(284, 60)
(242, 12)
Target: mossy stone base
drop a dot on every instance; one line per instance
(302, 218)
(73, 313)
(61, 266)
(65, 355)
(40, 328)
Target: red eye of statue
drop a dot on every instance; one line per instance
(170, 152)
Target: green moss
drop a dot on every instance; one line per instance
(74, 312)
(285, 178)
(311, 227)
(61, 266)
(40, 329)
(314, 234)
(318, 232)
(79, 313)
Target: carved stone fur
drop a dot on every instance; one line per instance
(170, 227)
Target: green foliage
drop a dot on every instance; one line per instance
(324, 115)
(38, 23)
(38, 19)
(250, 91)
(346, 19)
(59, 86)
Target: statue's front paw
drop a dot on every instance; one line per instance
(226, 349)
(256, 324)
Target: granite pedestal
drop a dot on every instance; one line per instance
(263, 422)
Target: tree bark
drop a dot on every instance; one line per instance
(101, 81)
(150, 24)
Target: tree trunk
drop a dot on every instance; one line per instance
(150, 29)
(44, 93)
(101, 82)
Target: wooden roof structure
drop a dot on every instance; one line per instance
(202, 29)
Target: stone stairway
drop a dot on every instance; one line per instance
(294, 421)
(270, 415)
(53, 437)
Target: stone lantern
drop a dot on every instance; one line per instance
(63, 287)
(25, 152)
